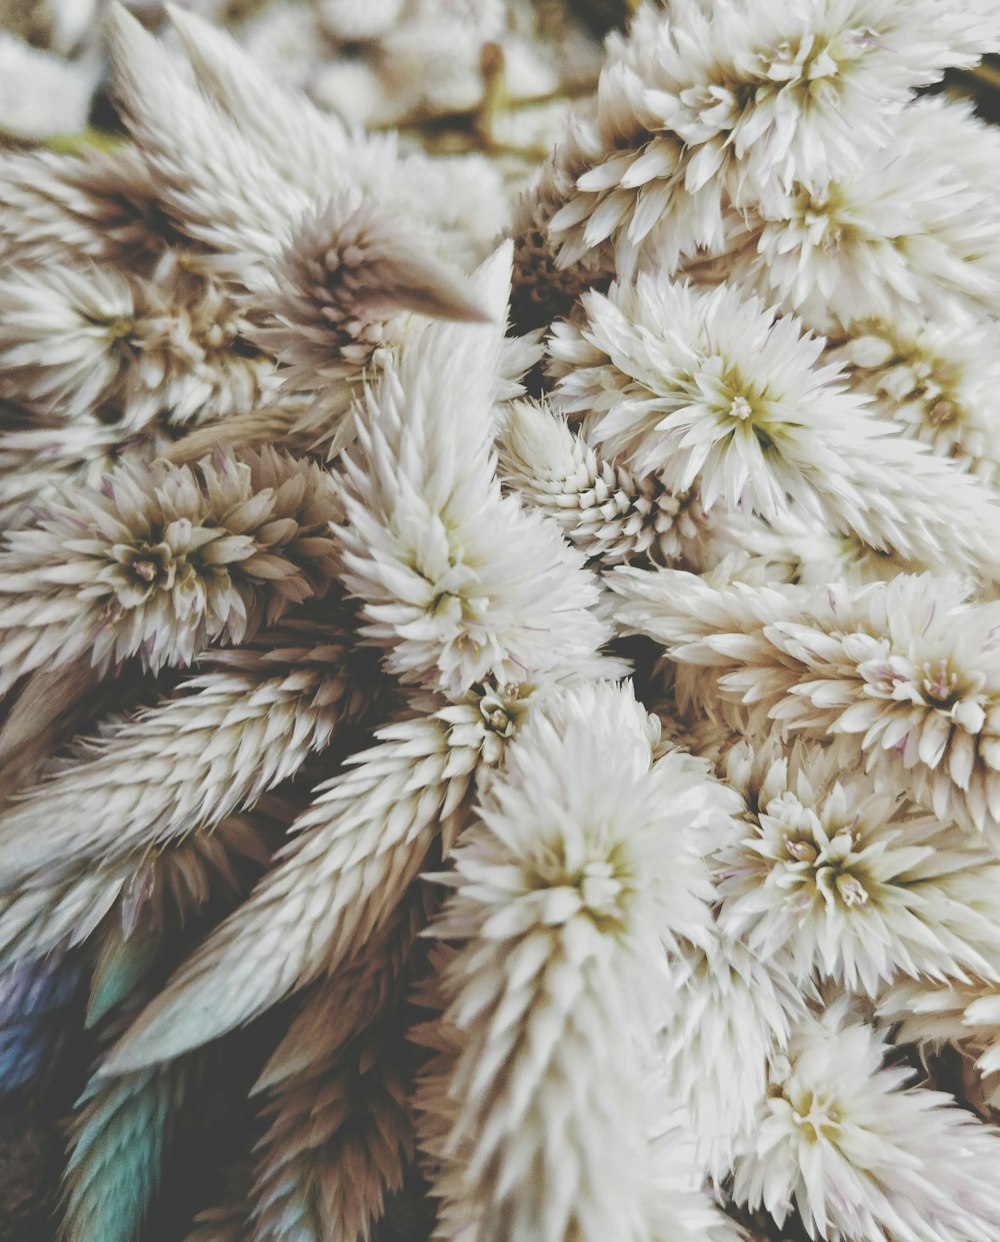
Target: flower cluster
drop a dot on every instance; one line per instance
(500, 736)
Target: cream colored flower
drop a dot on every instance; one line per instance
(348, 272)
(861, 1158)
(839, 880)
(603, 509)
(163, 560)
(584, 857)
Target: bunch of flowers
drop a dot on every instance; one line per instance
(500, 732)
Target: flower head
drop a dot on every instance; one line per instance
(164, 559)
(860, 1158)
(838, 880)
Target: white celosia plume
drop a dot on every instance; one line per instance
(162, 560)
(704, 106)
(837, 880)
(347, 271)
(862, 1157)
(710, 390)
(458, 583)
(904, 673)
(603, 509)
(583, 860)
(352, 856)
(186, 763)
(728, 1012)
(96, 343)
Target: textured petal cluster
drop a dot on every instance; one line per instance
(583, 821)
(345, 274)
(855, 886)
(163, 560)
(563, 892)
(905, 672)
(606, 511)
(703, 108)
(91, 341)
(856, 1153)
(737, 406)
(458, 582)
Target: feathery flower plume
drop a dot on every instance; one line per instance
(34, 999)
(904, 672)
(168, 891)
(634, 1006)
(702, 107)
(339, 1136)
(885, 242)
(352, 856)
(605, 511)
(161, 561)
(965, 1015)
(839, 880)
(339, 1139)
(729, 1012)
(581, 863)
(861, 1157)
(99, 205)
(212, 179)
(457, 583)
(347, 272)
(95, 343)
(710, 390)
(935, 378)
(149, 892)
(213, 746)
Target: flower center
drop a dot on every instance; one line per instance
(939, 683)
(145, 570)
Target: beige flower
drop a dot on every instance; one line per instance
(163, 560)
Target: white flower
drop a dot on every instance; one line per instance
(99, 204)
(348, 270)
(583, 859)
(709, 389)
(702, 106)
(728, 1013)
(934, 377)
(963, 1014)
(861, 1159)
(89, 342)
(857, 886)
(162, 560)
(351, 857)
(883, 242)
(905, 672)
(602, 508)
(457, 582)
(706, 388)
(213, 746)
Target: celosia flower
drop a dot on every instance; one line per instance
(603, 509)
(163, 560)
(935, 377)
(348, 271)
(905, 672)
(583, 859)
(857, 886)
(709, 389)
(457, 582)
(862, 1159)
(699, 107)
